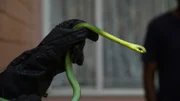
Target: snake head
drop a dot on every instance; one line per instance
(137, 48)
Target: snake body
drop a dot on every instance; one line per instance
(68, 63)
(72, 79)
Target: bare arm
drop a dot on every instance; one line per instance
(148, 78)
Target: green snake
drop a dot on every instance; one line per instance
(69, 69)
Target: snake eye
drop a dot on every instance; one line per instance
(141, 49)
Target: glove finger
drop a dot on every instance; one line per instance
(65, 28)
(92, 35)
(70, 39)
(28, 98)
(69, 24)
(34, 98)
(81, 60)
(79, 35)
(77, 51)
(55, 34)
(22, 98)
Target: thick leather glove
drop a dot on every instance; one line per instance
(33, 71)
(27, 98)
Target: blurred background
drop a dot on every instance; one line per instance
(110, 72)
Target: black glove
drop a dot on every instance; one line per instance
(27, 98)
(33, 71)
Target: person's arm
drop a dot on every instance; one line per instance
(148, 78)
(149, 61)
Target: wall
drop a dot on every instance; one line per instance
(19, 28)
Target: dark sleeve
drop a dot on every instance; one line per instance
(150, 43)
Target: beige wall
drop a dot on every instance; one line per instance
(19, 28)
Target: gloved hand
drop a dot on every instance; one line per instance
(27, 98)
(33, 71)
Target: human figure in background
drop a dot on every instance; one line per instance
(163, 55)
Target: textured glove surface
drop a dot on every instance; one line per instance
(27, 98)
